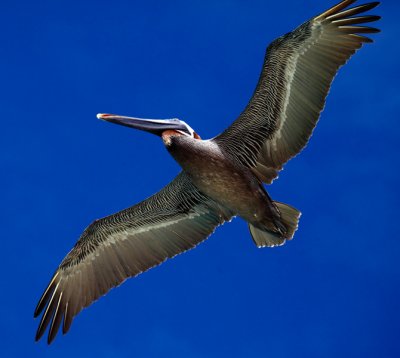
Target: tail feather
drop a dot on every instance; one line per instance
(263, 238)
(289, 217)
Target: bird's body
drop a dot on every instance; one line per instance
(221, 177)
(217, 174)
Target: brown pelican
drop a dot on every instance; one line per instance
(222, 177)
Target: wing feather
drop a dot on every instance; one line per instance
(125, 244)
(297, 73)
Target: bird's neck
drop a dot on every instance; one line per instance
(191, 153)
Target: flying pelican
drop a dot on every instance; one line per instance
(222, 177)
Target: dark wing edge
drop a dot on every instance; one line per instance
(124, 245)
(298, 70)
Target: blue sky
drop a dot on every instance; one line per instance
(333, 291)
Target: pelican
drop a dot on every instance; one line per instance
(222, 177)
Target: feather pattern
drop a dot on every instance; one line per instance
(125, 244)
(297, 73)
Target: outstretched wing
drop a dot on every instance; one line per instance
(297, 73)
(125, 244)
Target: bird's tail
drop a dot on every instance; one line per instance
(289, 218)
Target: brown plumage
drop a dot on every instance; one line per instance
(222, 177)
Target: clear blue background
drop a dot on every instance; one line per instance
(331, 292)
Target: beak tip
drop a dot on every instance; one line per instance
(100, 115)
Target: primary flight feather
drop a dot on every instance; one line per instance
(222, 177)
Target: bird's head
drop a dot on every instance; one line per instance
(164, 128)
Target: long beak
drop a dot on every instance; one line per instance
(155, 126)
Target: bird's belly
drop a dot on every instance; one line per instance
(232, 189)
(217, 176)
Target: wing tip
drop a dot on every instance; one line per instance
(50, 338)
(375, 3)
(51, 308)
(362, 39)
(44, 299)
(359, 29)
(336, 10)
(56, 321)
(38, 335)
